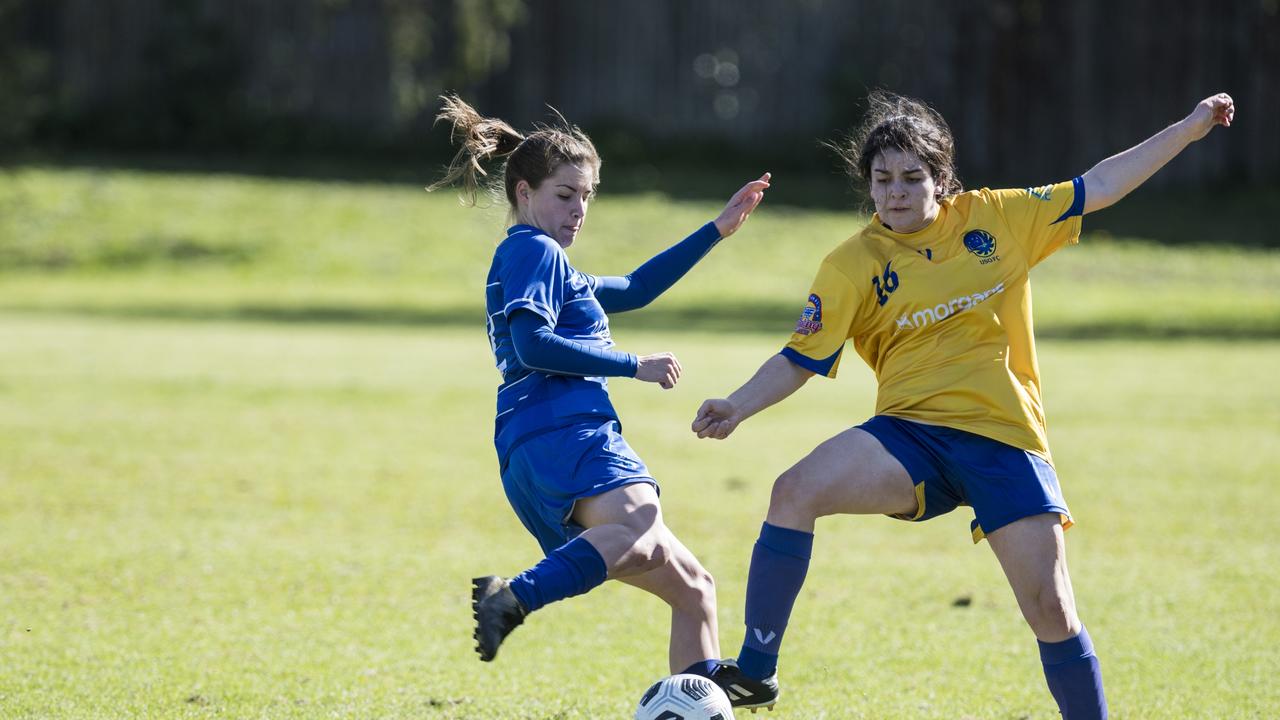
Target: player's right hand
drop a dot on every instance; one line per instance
(661, 368)
(1214, 110)
(716, 419)
(740, 206)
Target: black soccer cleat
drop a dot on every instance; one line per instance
(497, 612)
(743, 691)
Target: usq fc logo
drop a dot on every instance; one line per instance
(980, 243)
(811, 318)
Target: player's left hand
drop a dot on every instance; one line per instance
(1217, 109)
(717, 418)
(740, 206)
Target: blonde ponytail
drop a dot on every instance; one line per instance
(481, 140)
(531, 158)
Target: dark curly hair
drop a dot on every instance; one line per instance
(905, 124)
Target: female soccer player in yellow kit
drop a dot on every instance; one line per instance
(934, 294)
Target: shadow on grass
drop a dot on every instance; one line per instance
(752, 318)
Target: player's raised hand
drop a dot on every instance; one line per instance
(716, 419)
(1217, 109)
(661, 368)
(740, 206)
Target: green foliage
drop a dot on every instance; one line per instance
(446, 45)
(24, 69)
(483, 29)
(196, 92)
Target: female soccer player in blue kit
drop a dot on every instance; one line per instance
(568, 473)
(935, 296)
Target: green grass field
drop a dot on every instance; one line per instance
(246, 471)
(186, 246)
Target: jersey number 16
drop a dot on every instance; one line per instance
(885, 284)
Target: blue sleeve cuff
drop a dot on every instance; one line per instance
(820, 367)
(708, 233)
(1077, 202)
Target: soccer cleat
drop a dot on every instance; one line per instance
(743, 691)
(497, 612)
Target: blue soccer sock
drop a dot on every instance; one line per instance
(1074, 677)
(779, 563)
(571, 569)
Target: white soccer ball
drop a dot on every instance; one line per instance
(684, 697)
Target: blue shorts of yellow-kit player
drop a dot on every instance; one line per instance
(952, 467)
(548, 473)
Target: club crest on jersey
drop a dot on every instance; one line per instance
(982, 244)
(811, 318)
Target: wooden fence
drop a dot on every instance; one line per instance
(1034, 89)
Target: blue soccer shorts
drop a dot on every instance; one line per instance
(546, 474)
(952, 467)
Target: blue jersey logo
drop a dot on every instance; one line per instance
(811, 318)
(980, 243)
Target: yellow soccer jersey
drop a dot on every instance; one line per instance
(943, 315)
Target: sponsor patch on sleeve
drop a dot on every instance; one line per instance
(811, 319)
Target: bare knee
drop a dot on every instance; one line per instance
(792, 497)
(689, 587)
(650, 549)
(700, 588)
(1052, 616)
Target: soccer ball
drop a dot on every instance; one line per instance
(684, 697)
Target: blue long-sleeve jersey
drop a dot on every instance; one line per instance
(549, 329)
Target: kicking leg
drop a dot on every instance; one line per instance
(690, 591)
(851, 473)
(624, 537)
(626, 526)
(500, 606)
(1033, 554)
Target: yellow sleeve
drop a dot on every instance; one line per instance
(1044, 218)
(825, 323)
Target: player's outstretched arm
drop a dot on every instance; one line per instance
(776, 379)
(1117, 176)
(657, 275)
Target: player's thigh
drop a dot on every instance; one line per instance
(634, 505)
(1033, 554)
(851, 473)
